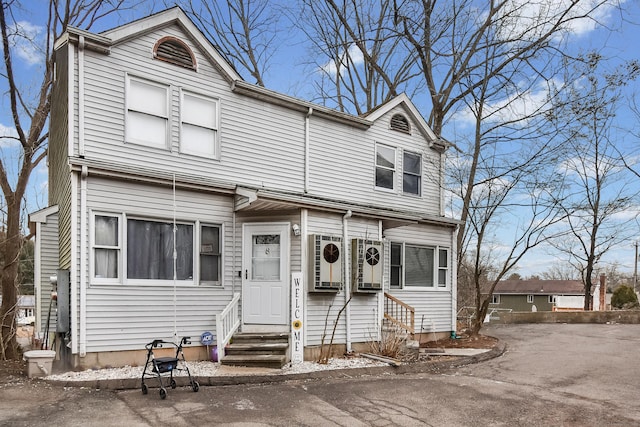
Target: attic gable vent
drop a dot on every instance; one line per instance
(400, 123)
(174, 51)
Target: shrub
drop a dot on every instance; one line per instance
(624, 297)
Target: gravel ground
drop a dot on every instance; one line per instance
(210, 369)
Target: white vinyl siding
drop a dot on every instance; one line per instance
(147, 112)
(199, 126)
(432, 304)
(126, 317)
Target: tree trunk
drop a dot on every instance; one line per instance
(8, 311)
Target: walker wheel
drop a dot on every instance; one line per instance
(145, 390)
(195, 386)
(163, 393)
(173, 383)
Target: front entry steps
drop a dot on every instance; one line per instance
(265, 350)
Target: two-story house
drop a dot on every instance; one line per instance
(183, 197)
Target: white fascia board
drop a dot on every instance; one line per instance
(167, 17)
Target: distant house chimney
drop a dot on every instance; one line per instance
(603, 292)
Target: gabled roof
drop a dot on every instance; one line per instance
(540, 287)
(137, 28)
(404, 101)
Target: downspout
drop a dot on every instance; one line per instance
(380, 295)
(81, 44)
(83, 261)
(307, 123)
(73, 267)
(347, 277)
(454, 282)
(233, 258)
(304, 255)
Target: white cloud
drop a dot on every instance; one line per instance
(352, 58)
(526, 20)
(7, 136)
(25, 42)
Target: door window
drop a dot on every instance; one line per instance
(265, 257)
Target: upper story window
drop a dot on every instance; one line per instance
(147, 112)
(199, 125)
(418, 266)
(400, 123)
(174, 51)
(385, 166)
(412, 173)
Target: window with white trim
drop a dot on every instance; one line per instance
(147, 113)
(106, 247)
(412, 173)
(495, 299)
(210, 251)
(199, 125)
(415, 266)
(150, 250)
(396, 266)
(443, 268)
(144, 253)
(530, 299)
(385, 166)
(552, 299)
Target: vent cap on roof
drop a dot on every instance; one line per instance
(400, 123)
(174, 51)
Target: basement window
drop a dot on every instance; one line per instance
(174, 51)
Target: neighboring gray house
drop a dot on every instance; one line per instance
(533, 294)
(154, 135)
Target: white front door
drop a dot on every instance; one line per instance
(265, 274)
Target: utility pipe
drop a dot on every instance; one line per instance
(347, 276)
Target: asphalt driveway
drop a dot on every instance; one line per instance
(552, 374)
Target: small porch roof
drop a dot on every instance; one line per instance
(261, 200)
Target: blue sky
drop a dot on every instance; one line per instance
(289, 72)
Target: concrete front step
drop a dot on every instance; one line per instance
(274, 361)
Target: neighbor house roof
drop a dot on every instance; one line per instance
(540, 287)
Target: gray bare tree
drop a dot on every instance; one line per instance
(599, 192)
(30, 106)
(244, 31)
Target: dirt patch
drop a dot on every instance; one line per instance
(12, 371)
(480, 341)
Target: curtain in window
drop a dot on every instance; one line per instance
(106, 244)
(150, 250)
(418, 266)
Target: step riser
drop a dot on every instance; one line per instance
(257, 350)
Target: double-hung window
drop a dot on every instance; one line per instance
(106, 247)
(415, 266)
(411, 173)
(199, 121)
(385, 166)
(210, 259)
(147, 113)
